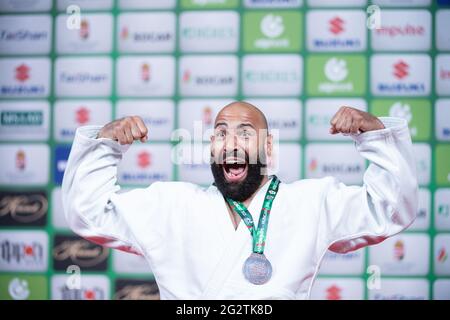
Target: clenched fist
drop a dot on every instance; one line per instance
(125, 130)
(350, 120)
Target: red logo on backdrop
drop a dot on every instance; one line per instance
(145, 72)
(21, 252)
(336, 25)
(207, 116)
(401, 70)
(82, 115)
(399, 250)
(444, 74)
(124, 33)
(22, 73)
(20, 160)
(313, 165)
(28, 250)
(442, 255)
(334, 293)
(144, 159)
(84, 29)
(89, 295)
(186, 76)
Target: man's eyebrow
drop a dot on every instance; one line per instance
(245, 125)
(220, 124)
(240, 126)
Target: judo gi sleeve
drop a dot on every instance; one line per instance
(91, 197)
(386, 203)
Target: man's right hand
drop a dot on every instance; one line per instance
(125, 130)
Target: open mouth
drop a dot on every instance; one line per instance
(235, 170)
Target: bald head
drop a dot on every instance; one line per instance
(243, 111)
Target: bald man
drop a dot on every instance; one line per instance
(248, 235)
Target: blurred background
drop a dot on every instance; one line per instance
(65, 64)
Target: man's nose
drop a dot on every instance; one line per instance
(231, 143)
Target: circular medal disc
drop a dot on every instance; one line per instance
(257, 269)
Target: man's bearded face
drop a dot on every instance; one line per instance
(238, 160)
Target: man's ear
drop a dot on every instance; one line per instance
(269, 145)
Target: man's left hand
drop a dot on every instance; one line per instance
(352, 121)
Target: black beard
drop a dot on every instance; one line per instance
(242, 190)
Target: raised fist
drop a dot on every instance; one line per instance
(125, 130)
(350, 120)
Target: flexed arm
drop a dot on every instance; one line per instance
(386, 203)
(90, 189)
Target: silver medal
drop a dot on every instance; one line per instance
(257, 269)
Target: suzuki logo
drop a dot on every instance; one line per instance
(401, 70)
(82, 115)
(22, 73)
(144, 159)
(334, 292)
(336, 25)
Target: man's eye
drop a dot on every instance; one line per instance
(245, 134)
(220, 134)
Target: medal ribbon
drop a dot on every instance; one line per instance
(258, 235)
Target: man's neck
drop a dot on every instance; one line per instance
(235, 218)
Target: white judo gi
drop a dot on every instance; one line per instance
(185, 233)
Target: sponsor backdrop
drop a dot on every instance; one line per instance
(176, 63)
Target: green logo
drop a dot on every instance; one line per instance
(444, 210)
(21, 118)
(443, 165)
(23, 287)
(274, 31)
(208, 33)
(336, 75)
(209, 4)
(416, 112)
(269, 76)
(319, 120)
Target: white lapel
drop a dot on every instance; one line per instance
(237, 242)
